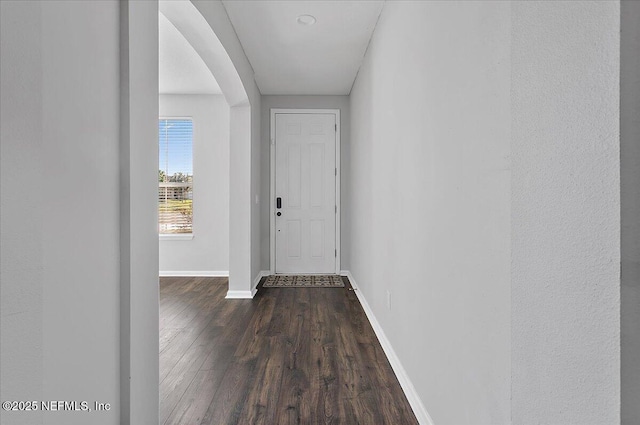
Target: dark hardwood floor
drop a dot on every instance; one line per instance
(289, 356)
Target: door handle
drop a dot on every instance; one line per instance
(278, 202)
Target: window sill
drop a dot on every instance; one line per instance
(176, 237)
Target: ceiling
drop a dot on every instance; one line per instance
(290, 58)
(182, 71)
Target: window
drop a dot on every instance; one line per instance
(175, 176)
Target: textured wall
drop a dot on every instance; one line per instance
(60, 197)
(429, 200)
(630, 185)
(21, 212)
(565, 213)
(208, 251)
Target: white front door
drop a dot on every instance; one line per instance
(305, 192)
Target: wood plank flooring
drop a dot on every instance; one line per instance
(289, 356)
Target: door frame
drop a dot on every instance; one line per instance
(272, 201)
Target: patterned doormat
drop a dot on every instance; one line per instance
(312, 280)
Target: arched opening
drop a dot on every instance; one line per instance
(199, 32)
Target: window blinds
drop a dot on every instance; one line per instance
(175, 176)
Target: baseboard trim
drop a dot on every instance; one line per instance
(257, 280)
(407, 386)
(244, 295)
(240, 295)
(217, 273)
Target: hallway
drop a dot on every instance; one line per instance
(489, 210)
(289, 356)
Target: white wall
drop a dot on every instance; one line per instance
(565, 212)
(60, 207)
(22, 217)
(485, 198)
(302, 102)
(429, 188)
(208, 252)
(630, 193)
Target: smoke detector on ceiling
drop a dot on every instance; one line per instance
(306, 20)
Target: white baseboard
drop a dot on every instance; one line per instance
(407, 386)
(256, 281)
(219, 273)
(237, 295)
(240, 295)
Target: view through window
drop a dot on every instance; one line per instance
(175, 176)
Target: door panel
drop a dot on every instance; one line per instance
(294, 176)
(294, 238)
(316, 176)
(305, 149)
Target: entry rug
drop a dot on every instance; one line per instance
(312, 280)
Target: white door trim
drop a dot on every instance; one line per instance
(272, 201)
